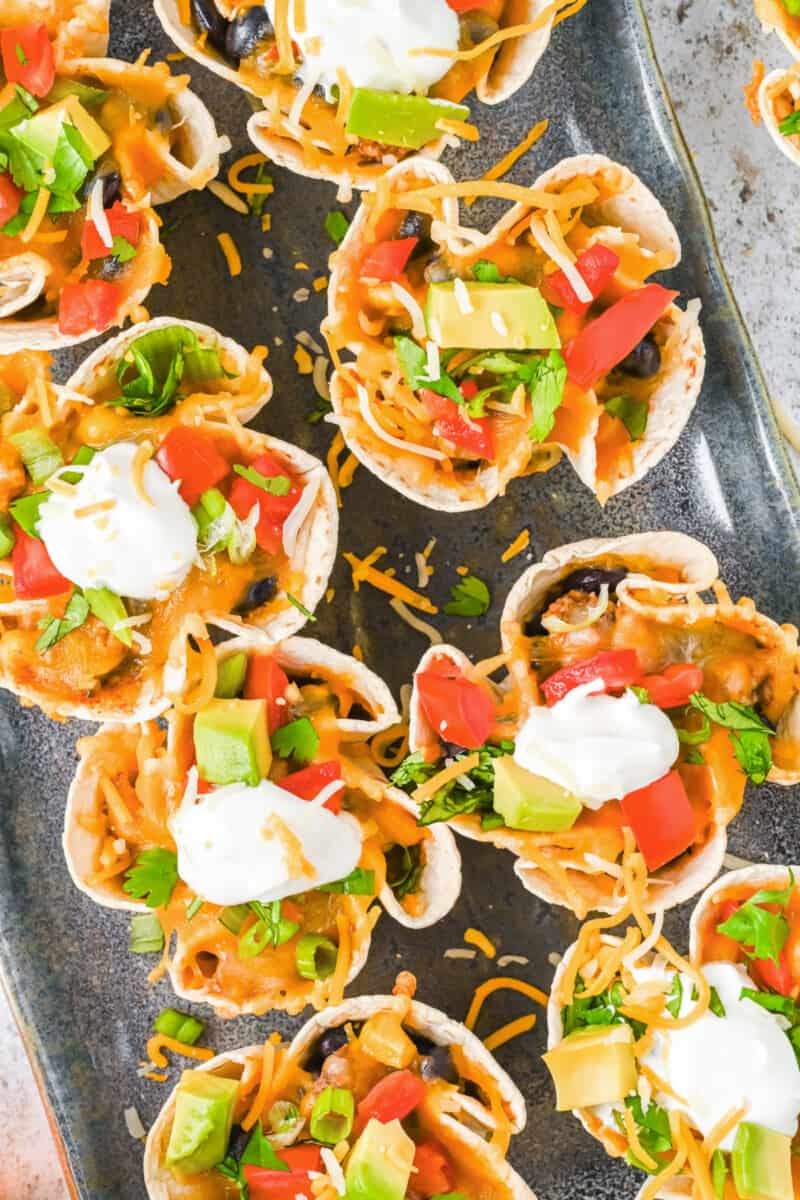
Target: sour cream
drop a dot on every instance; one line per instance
(598, 747)
(743, 1059)
(240, 843)
(138, 550)
(370, 41)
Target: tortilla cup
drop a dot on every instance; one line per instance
(775, 18)
(85, 830)
(779, 97)
(457, 1129)
(742, 883)
(78, 28)
(626, 209)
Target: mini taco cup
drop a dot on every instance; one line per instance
(472, 1132)
(437, 455)
(643, 592)
(776, 18)
(779, 100)
(267, 568)
(348, 703)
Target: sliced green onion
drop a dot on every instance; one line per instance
(282, 1117)
(358, 883)
(194, 908)
(147, 936)
(82, 457)
(332, 1116)
(262, 934)
(7, 538)
(25, 511)
(180, 1026)
(208, 509)
(234, 917)
(231, 674)
(38, 452)
(111, 610)
(316, 956)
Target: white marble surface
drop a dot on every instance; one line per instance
(706, 51)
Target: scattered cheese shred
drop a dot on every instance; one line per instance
(507, 1033)
(634, 1143)
(751, 92)
(474, 937)
(432, 785)
(232, 257)
(573, 197)
(462, 129)
(363, 573)
(260, 1098)
(37, 216)
(347, 471)
(520, 543)
(556, 12)
(283, 38)
(504, 165)
(227, 196)
(498, 984)
(332, 462)
(140, 459)
(305, 363)
(427, 630)
(158, 1043)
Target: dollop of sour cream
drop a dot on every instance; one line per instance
(138, 550)
(370, 41)
(240, 843)
(716, 1064)
(596, 746)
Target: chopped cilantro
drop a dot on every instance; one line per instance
(715, 1004)
(675, 997)
(404, 867)
(761, 933)
(413, 771)
(257, 200)
(547, 391)
(320, 410)
(470, 598)
(21, 55)
(359, 882)
(299, 740)
(336, 226)
(652, 1128)
(748, 733)
(641, 694)
(55, 628)
(632, 412)
(122, 250)
(603, 1009)
(489, 272)
(277, 485)
(414, 362)
(153, 877)
(455, 800)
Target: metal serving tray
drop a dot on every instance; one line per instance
(82, 1000)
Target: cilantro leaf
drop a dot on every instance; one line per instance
(320, 410)
(675, 997)
(632, 412)
(695, 758)
(336, 226)
(774, 1003)
(455, 800)
(586, 1011)
(257, 200)
(652, 1127)
(259, 1152)
(153, 877)
(749, 734)
(695, 737)
(547, 392)
(413, 771)
(761, 933)
(359, 882)
(151, 370)
(470, 598)
(277, 485)
(641, 694)
(414, 363)
(790, 125)
(715, 1004)
(299, 740)
(230, 1169)
(71, 162)
(122, 250)
(404, 867)
(489, 272)
(56, 628)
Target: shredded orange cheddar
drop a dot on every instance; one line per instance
(520, 543)
(507, 1033)
(474, 937)
(37, 216)
(241, 185)
(462, 767)
(320, 283)
(260, 1099)
(556, 12)
(380, 580)
(751, 92)
(158, 1043)
(499, 984)
(332, 461)
(305, 364)
(347, 471)
(503, 165)
(232, 257)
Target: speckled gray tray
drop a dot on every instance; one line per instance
(82, 1000)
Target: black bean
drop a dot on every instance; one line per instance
(438, 1065)
(591, 579)
(112, 184)
(107, 268)
(644, 360)
(210, 20)
(329, 1042)
(163, 120)
(260, 592)
(418, 225)
(246, 31)
(238, 1141)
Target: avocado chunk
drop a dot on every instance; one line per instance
(204, 1105)
(231, 742)
(384, 1039)
(593, 1066)
(527, 801)
(398, 120)
(231, 673)
(380, 1164)
(503, 316)
(109, 609)
(762, 1163)
(40, 133)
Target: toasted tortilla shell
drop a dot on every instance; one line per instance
(772, 86)
(77, 27)
(775, 19)
(634, 209)
(101, 364)
(430, 1023)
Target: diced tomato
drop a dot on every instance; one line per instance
(276, 1185)
(273, 510)
(28, 58)
(392, 1099)
(463, 6)
(604, 342)
(451, 422)
(778, 978)
(309, 782)
(432, 1174)
(387, 260)
(596, 267)
(616, 669)
(10, 198)
(191, 456)
(35, 576)
(121, 222)
(460, 711)
(203, 786)
(673, 687)
(91, 305)
(302, 1158)
(265, 680)
(661, 818)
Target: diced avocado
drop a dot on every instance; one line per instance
(231, 742)
(380, 1164)
(502, 316)
(81, 458)
(109, 609)
(384, 1039)
(204, 1106)
(39, 453)
(593, 1066)
(527, 801)
(397, 120)
(230, 676)
(762, 1163)
(40, 133)
(87, 95)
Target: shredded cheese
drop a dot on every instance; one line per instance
(363, 572)
(260, 1098)
(142, 456)
(159, 1043)
(474, 937)
(96, 213)
(571, 198)
(460, 129)
(507, 1033)
(634, 1143)
(556, 253)
(432, 785)
(294, 522)
(520, 543)
(504, 165)
(227, 196)
(283, 38)
(412, 307)
(498, 984)
(371, 420)
(556, 12)
(38, 214)
(232, 256)
(424, 627)
(751, 92)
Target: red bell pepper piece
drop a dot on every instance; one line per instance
(451, 422)
(10, 198)
(392, 1099)
(387, 260)
(265, 1184)
(273, 510)
(616, 669)
(463, 6)
(302, 1158)
(121, 222)
(35, 576)
(265, 680)
(661, 818)
(673, 687)
(28, 58)
(309, 782)
(191, 456)
(777, 977)
(432, 1173)
(460, 711)
(603, 343)
(596, 266)
(91, 305)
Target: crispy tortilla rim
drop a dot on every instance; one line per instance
(661, 611)
(590, 199)
(474, 1128)
(131, 780)
(779, 98)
